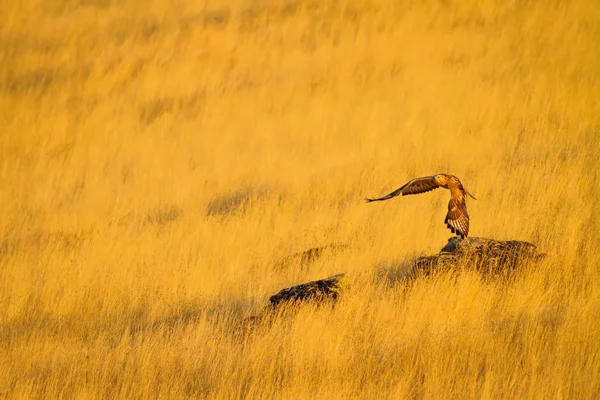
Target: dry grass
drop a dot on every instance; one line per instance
(158, 158)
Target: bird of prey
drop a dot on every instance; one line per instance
(457, 219)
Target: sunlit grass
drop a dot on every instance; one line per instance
(158, 159)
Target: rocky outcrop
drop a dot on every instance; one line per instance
(489, 256)
(322, 289)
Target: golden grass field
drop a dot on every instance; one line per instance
(157, 159)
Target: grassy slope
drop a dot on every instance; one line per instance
(124, 125)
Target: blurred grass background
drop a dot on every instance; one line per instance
(158, 158)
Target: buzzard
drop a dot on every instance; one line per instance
(457, 219)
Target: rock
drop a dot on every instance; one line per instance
(321, 290)
(488, 256)
(327, 288)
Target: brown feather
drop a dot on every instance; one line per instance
(457, 218)
(414, 186)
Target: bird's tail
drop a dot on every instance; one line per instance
(467, 192)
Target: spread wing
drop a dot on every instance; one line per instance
(457, 219)
(415, 186)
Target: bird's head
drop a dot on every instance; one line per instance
(440, 179)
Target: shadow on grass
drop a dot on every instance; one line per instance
(235, 202)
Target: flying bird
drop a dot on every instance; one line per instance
(457, 219)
